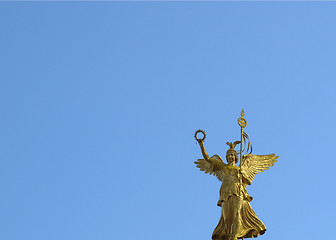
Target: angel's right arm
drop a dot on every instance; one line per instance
(204, 152)
(212, 165)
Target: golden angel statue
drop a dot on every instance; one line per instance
(238, 220)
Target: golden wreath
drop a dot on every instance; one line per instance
(198, 131)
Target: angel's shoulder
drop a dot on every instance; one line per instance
(217, 158)
(217, 163)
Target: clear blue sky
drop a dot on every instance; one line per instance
(100, 101)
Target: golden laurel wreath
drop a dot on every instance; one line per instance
(198, 131)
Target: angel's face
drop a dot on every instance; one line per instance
(231, 158)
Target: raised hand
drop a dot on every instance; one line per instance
(200, 140)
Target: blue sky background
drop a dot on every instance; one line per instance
(100, 101)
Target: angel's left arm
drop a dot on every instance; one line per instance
(244, 178)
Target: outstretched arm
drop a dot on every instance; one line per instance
(204, 153)
(212, 165)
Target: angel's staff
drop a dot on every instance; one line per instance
(243, 136)
(242, 123)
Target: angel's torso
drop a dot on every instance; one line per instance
(231, 184)
(233, 181)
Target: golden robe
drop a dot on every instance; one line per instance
(237, 216)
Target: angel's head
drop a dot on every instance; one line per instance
(231, 154)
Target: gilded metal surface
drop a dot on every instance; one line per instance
(238, 220)
(200, 131)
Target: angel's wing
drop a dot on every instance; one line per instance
(214, 166)
(253, 164)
